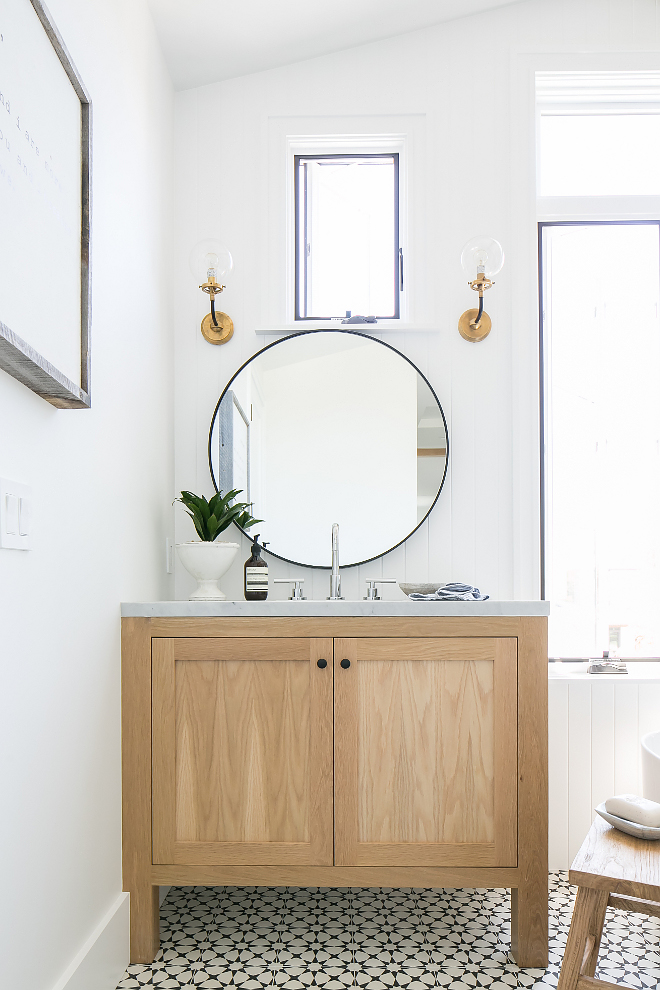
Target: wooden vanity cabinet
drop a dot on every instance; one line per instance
(336, 752)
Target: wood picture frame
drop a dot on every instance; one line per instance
(17, 356)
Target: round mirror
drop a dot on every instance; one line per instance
(330, 426)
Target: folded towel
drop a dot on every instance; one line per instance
(455, 592)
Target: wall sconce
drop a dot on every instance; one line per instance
(210, 260)
(481, 258)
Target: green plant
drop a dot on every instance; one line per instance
(213, 517)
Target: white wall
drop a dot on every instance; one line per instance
(468, 88)
(596, 724)
(102, 483)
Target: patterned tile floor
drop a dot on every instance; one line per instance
(377, 939)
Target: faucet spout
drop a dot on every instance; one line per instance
(335, 578)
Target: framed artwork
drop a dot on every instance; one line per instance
(45, 151)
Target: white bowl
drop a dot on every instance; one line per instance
(630, 828)
(207, 562)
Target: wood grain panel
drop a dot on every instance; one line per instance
(529, 900)
(505, 757)
(242, 751)
(335, 876)
(243, 761)
(242, 649)
(136, 788)
(340, 626)
(425, 767)
(425, 731)
(163, 736)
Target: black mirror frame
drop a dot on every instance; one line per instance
(353, 333)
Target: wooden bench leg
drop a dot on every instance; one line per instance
(145, 923)
(581, 955)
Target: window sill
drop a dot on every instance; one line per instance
(382, 326)
(638, 670)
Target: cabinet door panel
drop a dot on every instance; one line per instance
(242, 751)
(425, 752)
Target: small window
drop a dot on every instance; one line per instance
(348, 260)
(601, 154)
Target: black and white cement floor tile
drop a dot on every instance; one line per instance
(375, 939)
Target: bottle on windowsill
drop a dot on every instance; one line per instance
(256, 574)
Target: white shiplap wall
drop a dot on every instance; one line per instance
(596, 724)
(469, 84)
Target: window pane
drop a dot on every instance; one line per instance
(599, 155)
(602, 361)
(346, 236)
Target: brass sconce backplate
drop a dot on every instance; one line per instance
(469, 332)
(224, 330)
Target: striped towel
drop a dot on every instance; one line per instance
(455, 592)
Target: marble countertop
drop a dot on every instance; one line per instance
(344, 608)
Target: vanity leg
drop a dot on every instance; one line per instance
(145, 923)
(529, 925)
(529, 901)
(136, 789)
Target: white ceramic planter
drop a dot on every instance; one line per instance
(207, 562)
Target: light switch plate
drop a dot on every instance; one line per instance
(16, 515)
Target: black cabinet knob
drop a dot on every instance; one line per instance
(321, 663)
(345, 664)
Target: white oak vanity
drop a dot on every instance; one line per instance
(336, 744)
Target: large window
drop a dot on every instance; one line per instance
(601, 292)
(599, 252)
(348, 258)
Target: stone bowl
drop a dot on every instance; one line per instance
(429, 588)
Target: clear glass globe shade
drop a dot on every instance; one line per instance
(210, 256)
(482, 253)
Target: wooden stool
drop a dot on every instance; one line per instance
(611, 870)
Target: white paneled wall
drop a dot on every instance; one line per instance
(596, 725)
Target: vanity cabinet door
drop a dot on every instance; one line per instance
(242, 751)
(426, 752)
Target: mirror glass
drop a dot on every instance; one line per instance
(330, 426)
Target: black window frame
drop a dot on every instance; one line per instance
(301, 268)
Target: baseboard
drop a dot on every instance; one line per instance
(100, 963)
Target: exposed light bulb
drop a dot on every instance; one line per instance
(482, 256)
(210, 259)
(212, 263)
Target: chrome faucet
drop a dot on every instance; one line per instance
(335, 578)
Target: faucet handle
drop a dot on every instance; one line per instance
(372, 591)
(297, 592)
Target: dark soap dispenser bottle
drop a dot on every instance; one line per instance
(256, 574)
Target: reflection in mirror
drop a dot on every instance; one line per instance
(331, 426)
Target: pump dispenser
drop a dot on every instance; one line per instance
(256, 574)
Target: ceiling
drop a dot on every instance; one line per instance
(208, 40)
